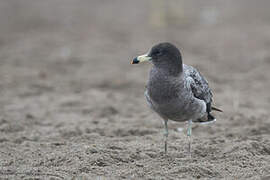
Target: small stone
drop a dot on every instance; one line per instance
(93, 151)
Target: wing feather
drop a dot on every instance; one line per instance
(199, 85)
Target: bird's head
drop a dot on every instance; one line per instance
(163, 55)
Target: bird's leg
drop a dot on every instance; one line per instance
(189, 133)
(166, 133)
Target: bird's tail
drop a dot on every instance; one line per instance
(206, 119)
(216, 109)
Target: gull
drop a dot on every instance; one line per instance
(176, 91)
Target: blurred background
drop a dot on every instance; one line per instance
(65, 40)
(65, 77)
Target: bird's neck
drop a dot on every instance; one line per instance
(167, 70)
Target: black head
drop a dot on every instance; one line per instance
(166, 56)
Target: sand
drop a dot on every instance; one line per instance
(72, 106)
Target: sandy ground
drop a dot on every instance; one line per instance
(72, 106)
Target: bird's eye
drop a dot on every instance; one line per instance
(158, 53)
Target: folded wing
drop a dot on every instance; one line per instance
(199, 86)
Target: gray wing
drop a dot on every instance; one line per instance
(199, 85)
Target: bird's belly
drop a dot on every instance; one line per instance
(174, 112)
(178, 110)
